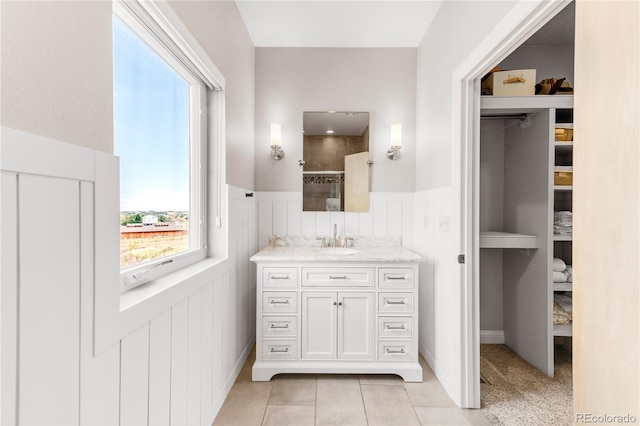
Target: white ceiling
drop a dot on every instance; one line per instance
(342, 23)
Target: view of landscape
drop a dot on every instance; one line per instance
(149, 235)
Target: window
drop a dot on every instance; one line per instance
(159, 113)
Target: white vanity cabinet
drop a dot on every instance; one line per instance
(337, 317)
(337, 325)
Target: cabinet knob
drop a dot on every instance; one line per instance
(335, 303)
(339, 303)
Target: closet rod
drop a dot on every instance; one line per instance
(521, 117)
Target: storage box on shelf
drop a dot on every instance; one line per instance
(564, 134)
(563, 175)
(510, 83)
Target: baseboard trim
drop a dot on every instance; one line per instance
(431, 361)
(492, 337)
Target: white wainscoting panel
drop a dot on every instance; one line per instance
(439, 328)
(175, 365)
(194, 359)
(390, 214)
(134, 377)
(160, 370)
(99, 376)
(8, 296)
(49, 300)
(206, 374)
(179, 360)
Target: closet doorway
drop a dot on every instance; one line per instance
(508, 300)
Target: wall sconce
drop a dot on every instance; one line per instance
(276, 141)
(396, 141)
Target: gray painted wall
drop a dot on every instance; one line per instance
(457, 30)
(57, 78)
(290, 81)
(218, 27)
(491, 219)
(548, 61)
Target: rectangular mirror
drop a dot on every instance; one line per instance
(328, 138)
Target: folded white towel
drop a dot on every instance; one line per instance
(569, 273)
(559, 265)
(559, 277)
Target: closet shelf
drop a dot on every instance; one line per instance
(489, 239)
(557, 237)
(563, 330)
(524, 104)
(563, 146)
(563, 187)
(562, 286)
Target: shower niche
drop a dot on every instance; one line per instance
(336, 154)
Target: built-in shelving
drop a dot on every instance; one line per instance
(562, 151)
(507, 240)
(524, 104)
(563, 330)
(563, 146)
(530, 198)
(562, 286)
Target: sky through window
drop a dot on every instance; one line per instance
(151, 127)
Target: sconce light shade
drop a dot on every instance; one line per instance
(276, 141)
(276, 134)
(396, 135)
(396, 141)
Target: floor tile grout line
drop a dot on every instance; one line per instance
(267, 405)
(364, 406)
(315, 406)
(413, 407)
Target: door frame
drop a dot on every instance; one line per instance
(524, 19)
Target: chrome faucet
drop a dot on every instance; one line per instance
(334, 241)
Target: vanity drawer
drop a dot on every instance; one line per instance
(395, 278)
(279, 327)
(337, 277)
(395, 302)
(280, 277)
(279, 301)
(391, 327)
(394, 351)
(279, 350)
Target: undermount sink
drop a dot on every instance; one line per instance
(338, 250)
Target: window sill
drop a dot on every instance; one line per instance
(140, 304)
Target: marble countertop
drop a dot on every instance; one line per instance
(316, 254)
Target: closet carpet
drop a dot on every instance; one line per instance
(515, 393)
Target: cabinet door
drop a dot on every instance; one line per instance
(355, 326)
(319, 325)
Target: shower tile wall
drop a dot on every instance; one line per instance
(326, 153)
(322, 153)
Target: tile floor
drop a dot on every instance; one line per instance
(308, 399)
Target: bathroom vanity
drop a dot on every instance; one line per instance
(337, 310)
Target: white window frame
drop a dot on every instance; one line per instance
(148, 271)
